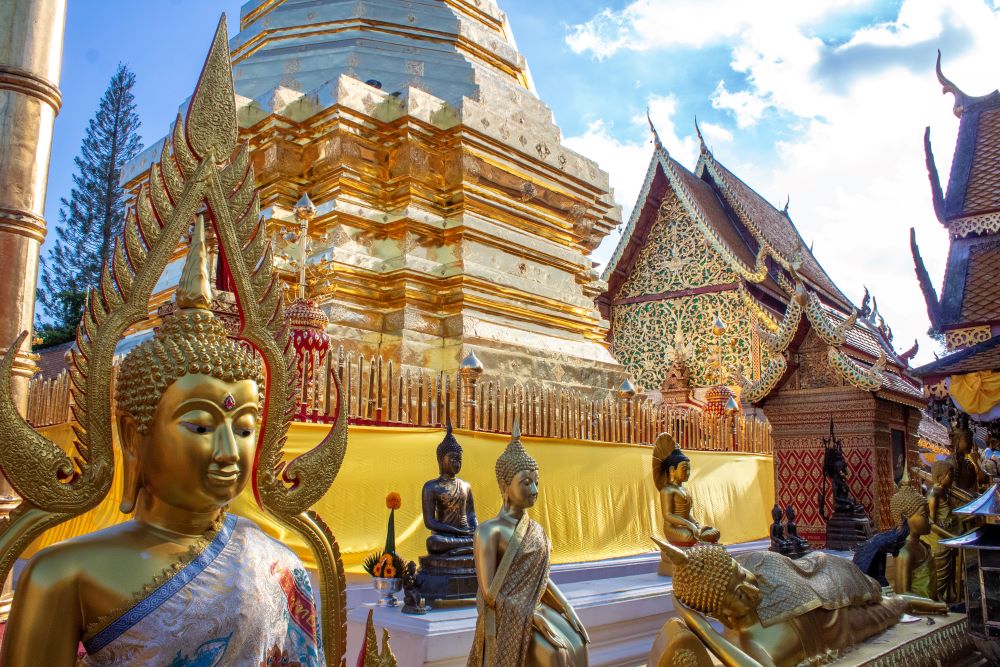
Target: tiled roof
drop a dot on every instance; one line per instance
(982, 193)
(52, 360)
(778, 229)
(932, 430)
(981, 296)
(983, 356)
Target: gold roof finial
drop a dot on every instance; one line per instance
(195, 289)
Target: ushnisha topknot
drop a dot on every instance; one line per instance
(191, 340)
(514, 459)
(702, 580)
(449, 445)
(906, 502)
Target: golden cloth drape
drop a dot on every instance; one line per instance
(596, 500)
(976, 393)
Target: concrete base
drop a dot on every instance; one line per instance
(622, 602)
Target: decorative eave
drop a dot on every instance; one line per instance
(983, 356)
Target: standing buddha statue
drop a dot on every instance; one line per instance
(524, 619)
(198, 417)
(448, 572)
(671, 468)
(944, 525)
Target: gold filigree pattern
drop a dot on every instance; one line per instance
(675, 257)
(987, 223)
(959, 338)
(644, 332)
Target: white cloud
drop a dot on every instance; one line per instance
(850, 154)
(715, 134)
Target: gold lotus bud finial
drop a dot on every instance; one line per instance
(195, 288)
(305, 210)
(718, 327)
(515, 459)
(626, 390)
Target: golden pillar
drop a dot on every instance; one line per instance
(31, 41)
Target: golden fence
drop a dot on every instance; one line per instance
(378, 393)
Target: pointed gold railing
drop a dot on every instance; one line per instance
(379, 393)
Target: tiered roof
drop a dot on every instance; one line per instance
(970, 210)
(784, 279)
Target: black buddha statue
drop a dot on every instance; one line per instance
(799, 545)
(447, 571)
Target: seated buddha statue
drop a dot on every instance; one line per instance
(671, 468)
(777, 612)
(915, 569)
(524, 620)
(447, 504)
(183, 580)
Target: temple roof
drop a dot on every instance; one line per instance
(766, 253)
(983, 356)
(970, 209)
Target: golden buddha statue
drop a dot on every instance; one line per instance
(776, 611)
(199, 417)
(944, 525)
(915, 569)
(671, 468)
(524, 619)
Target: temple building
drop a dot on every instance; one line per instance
(711, 284)
(449, 216)
(967, 312)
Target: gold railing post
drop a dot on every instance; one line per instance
(626, 392)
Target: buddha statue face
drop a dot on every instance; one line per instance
(450, 464)
(741, 599)
(522, 492)
(198, 451)
(680, 472)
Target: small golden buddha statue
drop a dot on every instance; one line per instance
(524, 619)
(199, 417)
(944, 525)
(776, 611)
(969, 475)
(671, 468)
(915, 570)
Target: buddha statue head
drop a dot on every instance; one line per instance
(707, 579)
(517, 473)
(911, 508)
(449, 454)
(943, 472)
(670, 464)
(189, 403)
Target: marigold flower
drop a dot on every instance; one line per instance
(393, 501)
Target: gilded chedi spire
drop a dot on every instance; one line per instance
(515, 459)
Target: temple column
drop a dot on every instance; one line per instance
(31, 44)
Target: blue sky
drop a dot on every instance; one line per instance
(822, 101)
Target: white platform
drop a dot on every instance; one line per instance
(623, 604)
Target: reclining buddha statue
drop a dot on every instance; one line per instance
(777, 612)
(199, 416)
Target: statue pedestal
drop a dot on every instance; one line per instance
(846, 531)
(442, 578)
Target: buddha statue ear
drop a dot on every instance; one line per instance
(128, 434)
(676, 555)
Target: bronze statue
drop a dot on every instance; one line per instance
(849, 524)
(944, 525)
(671, 468)
(448, 509)
(915, 571)
(799, 545)
(448, 571)
(412, 603)
(182, 581)
(524, 620)
(777, 611)
(969, 475)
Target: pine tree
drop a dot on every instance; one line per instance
(93, 215)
